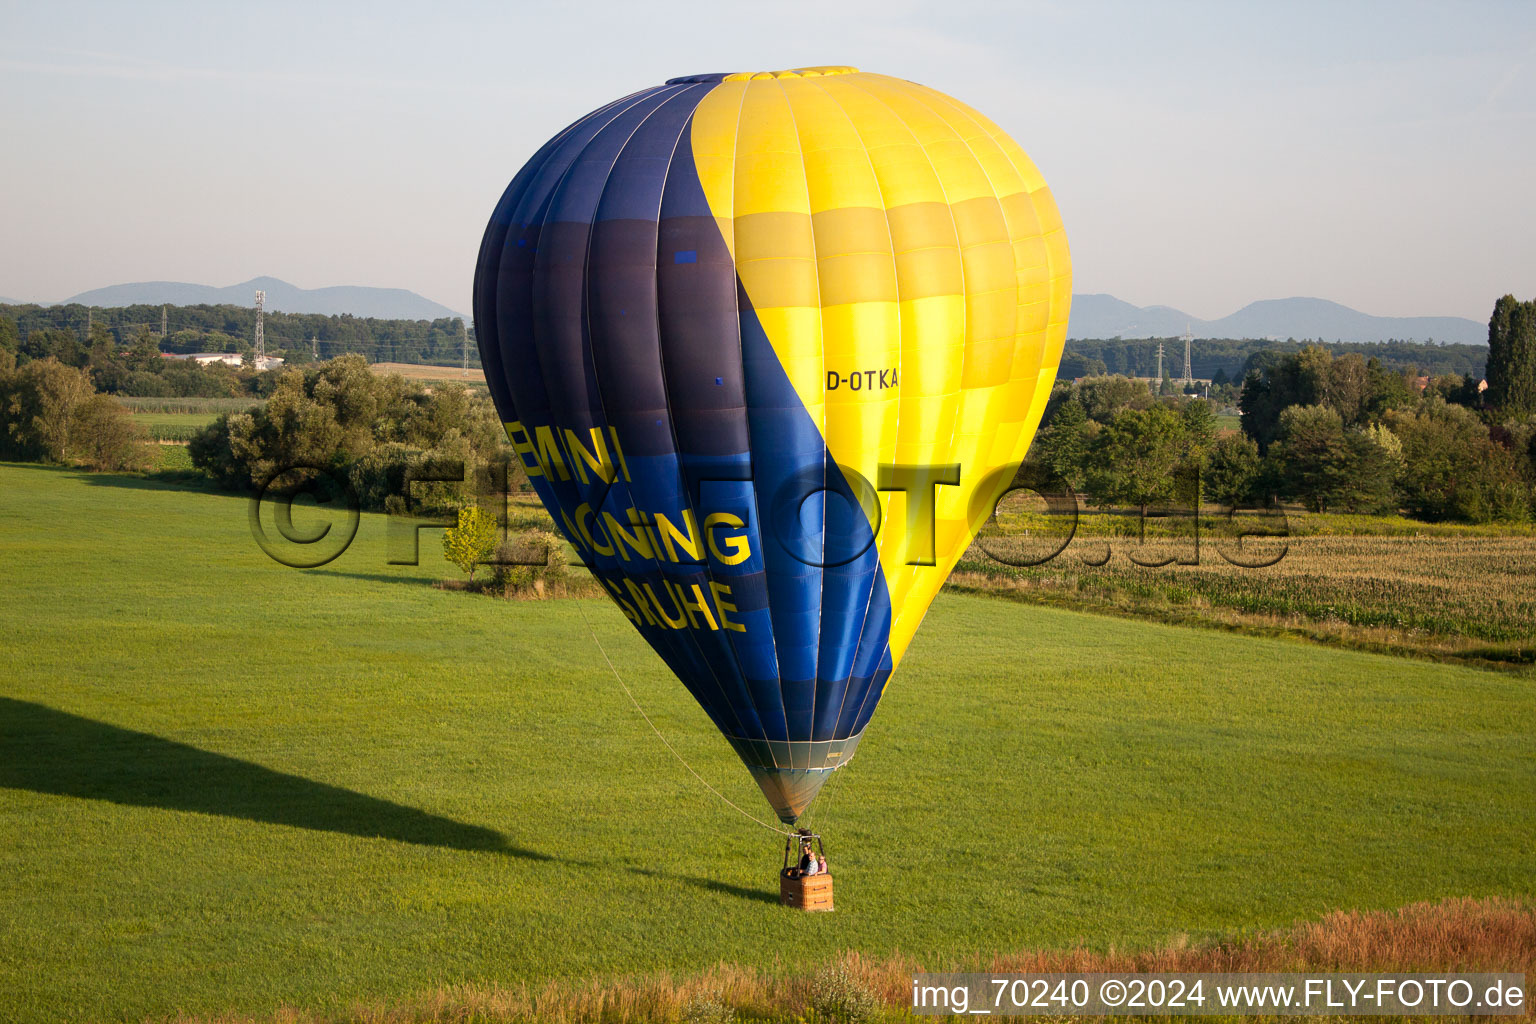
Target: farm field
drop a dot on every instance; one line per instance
(179, 427)
(425, 372)
(179, 419)
(227, 785)
(1447, 591)
(174, 419)
(202, 407)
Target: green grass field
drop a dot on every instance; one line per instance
(174, 419)
(227, 785)
(173, 426)
(206, 408)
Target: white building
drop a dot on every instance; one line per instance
(227, 358)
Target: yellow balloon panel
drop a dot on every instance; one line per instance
(911, 271)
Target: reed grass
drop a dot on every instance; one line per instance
(1447, 936)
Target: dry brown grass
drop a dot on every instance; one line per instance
(1453, 935)
(421, 371)
(583, 585)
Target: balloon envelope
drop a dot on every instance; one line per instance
(769, 345)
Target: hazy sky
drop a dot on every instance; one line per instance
(1203, 155)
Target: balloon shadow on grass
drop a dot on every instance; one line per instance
(163, 481)
(49, 751)
(417, 580)
(739, 891)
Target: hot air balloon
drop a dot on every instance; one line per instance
(770, 346)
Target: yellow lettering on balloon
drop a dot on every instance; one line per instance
(741, 550)
(721, 591)
(639, 597)
(677, 623)
(547, 451)
(690, 607)
(689, 540)
(583, 513)
(598, 460)
(623, 537)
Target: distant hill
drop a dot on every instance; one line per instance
(1104, 316)
(381, 303)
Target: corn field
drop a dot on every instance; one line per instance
(1451, 593)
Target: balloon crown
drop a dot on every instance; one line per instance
(744, 76)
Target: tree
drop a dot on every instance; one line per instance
(1453, 469)
(1387, 389)
(1104, 397)
(50, 411)
(1074, 365)
(1135, 457)
(105, 437)
(1232, 470)
(54, 342)
(1348, 388)
(1256, 403)
(56, 392)
(1199, 426)
(341, 414)
(469, 544)
(1311, 376)
(1368, 483)
(1512, 357)
(1063, 445)
(1272, 386)
(1311, 455)
(145, 353)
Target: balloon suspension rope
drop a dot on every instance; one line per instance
(726, 800)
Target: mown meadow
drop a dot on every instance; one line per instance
(229, 786)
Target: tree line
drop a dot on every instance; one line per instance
(1328, 429)
(1333, 431)
(1230, 359)
(135, 369)
(297, 337)
(50, 412)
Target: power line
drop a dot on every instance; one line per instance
(669, 746)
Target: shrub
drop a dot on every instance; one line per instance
(836, 995)
(707, 1010)
(105, 437)
(378, 429)
(511, 575)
